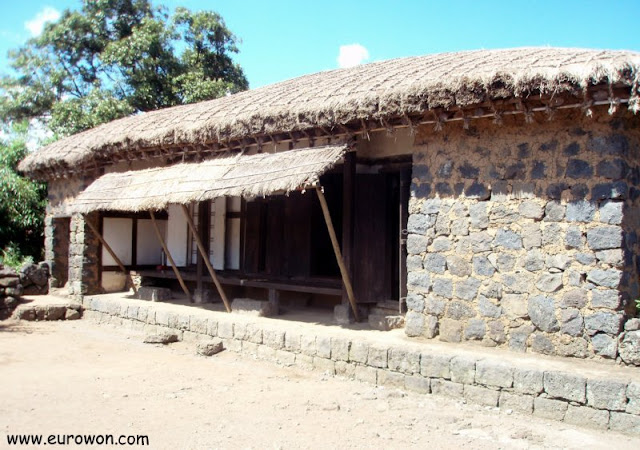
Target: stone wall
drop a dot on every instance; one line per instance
(10, 291)
(588, 395)
(525, 235)
(84, 273)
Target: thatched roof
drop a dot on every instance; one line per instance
(238, 175)
(373, 91)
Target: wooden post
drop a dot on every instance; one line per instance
(336, 249)
(348, 195)
(169, 257)
(194, 231)
(95, 231)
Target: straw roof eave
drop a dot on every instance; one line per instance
(377, 91)
(237, 175)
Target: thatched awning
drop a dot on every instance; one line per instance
(238, 175)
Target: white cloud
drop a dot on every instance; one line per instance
(36, 25)
(352, 55)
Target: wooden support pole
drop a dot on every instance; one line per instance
(336, 249)
(169, 257)
(95, 231)
(348, 200)
(203, 252)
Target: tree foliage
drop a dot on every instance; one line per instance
(106, 60)
(112, 58)
(22, 201)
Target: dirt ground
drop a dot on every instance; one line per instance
(80, 378)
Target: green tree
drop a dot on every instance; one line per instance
(22, 201)
(106, 60)
(112, 58)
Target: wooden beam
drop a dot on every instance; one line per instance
(205, 256)
(169, 257)
(95, 231)
(336, 249)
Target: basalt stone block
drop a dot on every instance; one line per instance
(542, 344)
(459, 310)
(614, 144)
(579, 168)
(605, 237)
(434, 306)
(467, 289)
(441, 244)
(450, 330)
(420, 281)
(518, 283)
(463, 369)
(605, 322)
(479, 215)
(541, 310)
(420, 223)
(482, 266)
(431, 206)
(458, 266)
(571, 321)
(607, 394)
(538, 170)
(531, 210)
(154, 294)
(549, 282)
(574, 237)
(615, 190)
(415, 302)
(414, 324)
(416, 244)
(435, 263)
(611, 212)
(630, 348)
(443, 287)
(565, 386)
(515, 305)
(554, 190)
(478, 191)
(572, 149)
(606, 278)
(488, 308)
(579, 191)
(613, 169)
(580, 211)
(444, 189)
(475, 329)
(549, 409)
(508, 239)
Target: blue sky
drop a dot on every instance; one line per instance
(285, 39)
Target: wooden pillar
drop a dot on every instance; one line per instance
(205, 257)
(346, 280)
(348, 200)
(203, 229)
(169, 257)
(108, 248)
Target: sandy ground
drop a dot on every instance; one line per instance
(79, 378)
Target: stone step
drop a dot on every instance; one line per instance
(385, 322)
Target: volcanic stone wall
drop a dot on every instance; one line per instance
(525, 235)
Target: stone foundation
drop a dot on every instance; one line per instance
(575, 393)
(525, 237)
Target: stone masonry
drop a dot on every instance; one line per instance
(525, 236)
(581, 394)
(84, 274)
